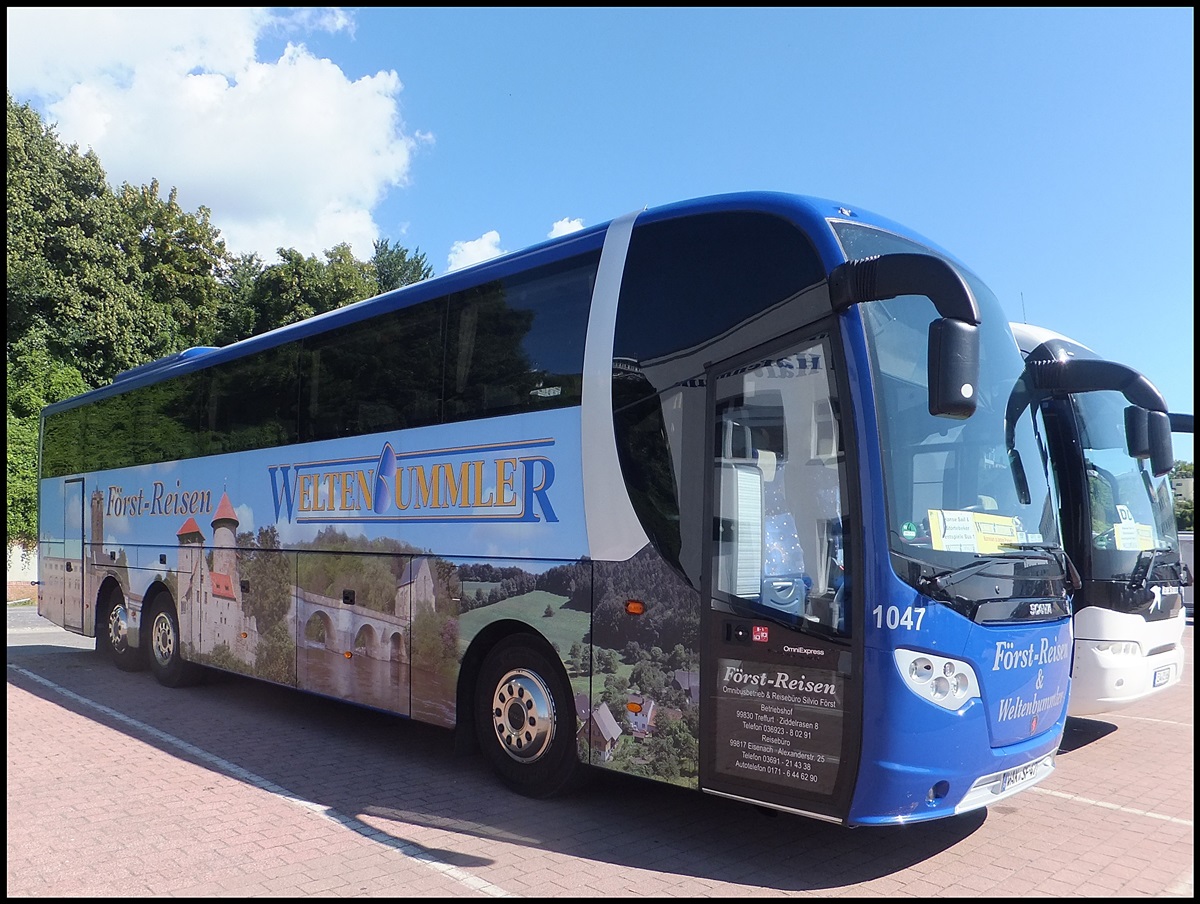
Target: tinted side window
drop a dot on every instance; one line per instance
(143, 426)
(686, 282)
(517, 344)
(689, 280)
(171, 415)
(252, 402)
(380, 374)
(62, 443)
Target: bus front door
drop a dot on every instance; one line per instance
(778, 683)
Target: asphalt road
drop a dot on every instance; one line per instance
(120, 787)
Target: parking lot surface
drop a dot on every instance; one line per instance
(120, 787)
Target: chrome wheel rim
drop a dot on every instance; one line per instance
(523, 715)
(162, 639)
(118, 628)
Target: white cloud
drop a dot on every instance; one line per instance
(464, 254)
(284, 153)
(564, 227)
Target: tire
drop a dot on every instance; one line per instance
(112, 635)
(163, 641)
(525, 719)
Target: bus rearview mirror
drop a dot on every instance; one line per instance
(953, 340)
(953, 368)
(1162, 458)
(1137, 432)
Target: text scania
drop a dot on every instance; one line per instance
(435, 485)
(1008, 656)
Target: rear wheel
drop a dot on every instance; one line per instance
(525, 719)
(166, 660)
(112, 636)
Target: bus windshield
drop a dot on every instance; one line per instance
(1131, 509)
(958, 528)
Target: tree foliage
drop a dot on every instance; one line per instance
(1185, 514)
(100, 281)
(183, 263)
(73, 274)
(1185, 509)
(394, 268)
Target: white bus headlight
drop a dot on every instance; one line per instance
(947, 682)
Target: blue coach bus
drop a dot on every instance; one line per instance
(720, 494)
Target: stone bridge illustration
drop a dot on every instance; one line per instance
(342, 627)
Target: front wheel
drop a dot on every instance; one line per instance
(112, 636)
(166, 661)
(525, 719)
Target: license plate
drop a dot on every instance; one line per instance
(1162, 676)
(1020, 775)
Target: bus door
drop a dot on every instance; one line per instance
(73, 566)
(780, 682)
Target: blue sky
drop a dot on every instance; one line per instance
(1052, 150)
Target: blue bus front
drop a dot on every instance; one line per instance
(967, 640)
(887, 635)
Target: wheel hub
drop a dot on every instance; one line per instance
(162, 639)
(118, 628)
(523, 715)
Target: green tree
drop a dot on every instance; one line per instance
(301, 287)
(1185, 514)
(73, 275)
(183, 260)
(607, 661)
(1185, 509)
(395, 268)
(237, 317)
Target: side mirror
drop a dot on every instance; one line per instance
(953, 340)
(953, 368)
(1137, 432)
(1161, 454)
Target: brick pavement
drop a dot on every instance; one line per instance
(119, 787)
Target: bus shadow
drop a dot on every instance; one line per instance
(383, 777)
(1080, 732)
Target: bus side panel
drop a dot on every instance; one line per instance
(493, 597)
(147, 565)
(644, 711)
(353, 613)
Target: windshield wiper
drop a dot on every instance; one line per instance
(1065, 563)
(943, 579)
(1144, 566)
